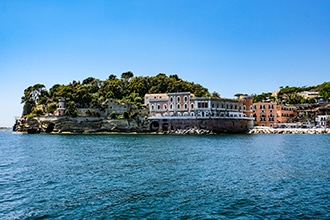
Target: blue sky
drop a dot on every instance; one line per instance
(228, 46)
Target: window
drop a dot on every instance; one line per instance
(171, 106)
(178, 98)
(203, 105)
(192, 105)
(158, 106)
(178, 106)
(185, 98)
(152, 107)
(165, 106)
(185, 106)
(171, 99)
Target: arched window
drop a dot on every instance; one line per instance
(158, 106)
(185, 106)
(171, 99)
(178, 106)
(165, 106)
(192, 105)
(171, 106)
(185, 98)
(178, 99)
(152, 107)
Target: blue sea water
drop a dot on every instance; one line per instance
(164, 177)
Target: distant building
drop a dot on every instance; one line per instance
(246, 105)
(271, 114)
(265, 113)
(61, 107)
(157, 96)
(321, 121)
(286, 114)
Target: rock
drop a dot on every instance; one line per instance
(266, 130)
(80, 125)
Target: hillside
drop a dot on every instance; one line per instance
(92, 92)
(294, 95)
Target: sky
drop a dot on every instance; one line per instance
(227, 46)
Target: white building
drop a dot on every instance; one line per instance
(185, 104)
(321, 121)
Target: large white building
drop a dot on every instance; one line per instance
(185, 104)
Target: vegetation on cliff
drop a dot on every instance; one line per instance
(93, 93)
(292, 94)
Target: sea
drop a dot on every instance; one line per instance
(142, 176)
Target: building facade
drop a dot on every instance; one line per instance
(272, 114)
(246, 105)
(185, 104)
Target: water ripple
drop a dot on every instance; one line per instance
(164, 177)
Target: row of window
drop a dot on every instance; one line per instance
(178, 98)
(264, 119)
(200, 105)
(264, 107)
(171, 106)
(223, 106)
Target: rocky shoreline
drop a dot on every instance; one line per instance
(193, 131)
(268, 130)
(88, 125)
(80, 125)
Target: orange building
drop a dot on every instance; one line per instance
(271, 114)
(265, 113)
(286, 114)
(246, 105)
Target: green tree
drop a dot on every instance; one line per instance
(127, 75)
(215, 94)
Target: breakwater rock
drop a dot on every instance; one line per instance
(267, 130)
(80, 125)
(189, 131)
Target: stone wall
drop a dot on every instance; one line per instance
(268, 130)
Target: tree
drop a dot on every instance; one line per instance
(215, 94)
(240, 94)
(33, 93)
(127, 75)
(71, 109)
(325, 91)
(112, 77)
(88, 80)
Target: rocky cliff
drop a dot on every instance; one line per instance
(80, 125)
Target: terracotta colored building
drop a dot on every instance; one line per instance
(271, 114)
(265, 113)
(246, 105)
(286, 114)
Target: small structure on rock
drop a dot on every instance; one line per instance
(61, 109)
